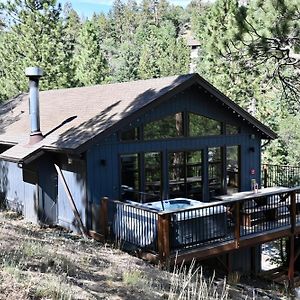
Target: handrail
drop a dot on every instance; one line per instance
(250, 195)
(237, 222)
(280, 175)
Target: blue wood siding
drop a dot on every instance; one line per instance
(12, 185)
(19, 195)
(31, 202)
(75, 177)
(47, 190)
(103, 159)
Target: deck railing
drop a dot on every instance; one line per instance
(164, 233)
(278, 175)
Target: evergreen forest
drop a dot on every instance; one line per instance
(249, 49)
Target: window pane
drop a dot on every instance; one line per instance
(185, 175)
(169, 127)
(232, 169)
(231, 129)
(215, 171)
(130, 177)
(194, 175)
(129, 135)
(153, 182)
(202, 126)
(176, 175)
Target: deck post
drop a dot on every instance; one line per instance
(229, 262)
(292, 262)
(104, 217)
(293, 211)
(237, 233)
(265, 170)
(292, 241)
(163, 240)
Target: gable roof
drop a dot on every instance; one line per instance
(70, 118)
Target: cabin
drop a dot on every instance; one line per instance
(167, 165)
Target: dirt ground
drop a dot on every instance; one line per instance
(39, 263)
(49, 263)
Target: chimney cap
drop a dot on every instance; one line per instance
(33, 72)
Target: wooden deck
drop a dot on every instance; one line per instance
(230, 223)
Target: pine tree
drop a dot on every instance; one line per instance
(162, 52)
(33, 37)
(270, 32)
(219, 62)
(89, 57)
(72, 25)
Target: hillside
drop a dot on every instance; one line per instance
(48, 263)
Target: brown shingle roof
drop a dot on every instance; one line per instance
(72, 117)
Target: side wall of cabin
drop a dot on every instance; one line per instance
(17, 194)
(36, 191)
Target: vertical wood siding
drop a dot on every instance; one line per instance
(47, 190)
(75, 177)
(103, 178)
(19, 195)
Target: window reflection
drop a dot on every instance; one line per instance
(129, 135)
(202, 126)
(185, 174)
(231, 129)
(215, 171)
(169, 127)
(153, 184)
(232, 169)
(130, 177)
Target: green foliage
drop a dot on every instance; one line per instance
(270, 32)
(72, 25)
(237, 57)
(162, 54)
(289, 136)
(34, 36)
(250, 52)
(89, 57)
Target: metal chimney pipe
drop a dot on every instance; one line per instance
(34, 74)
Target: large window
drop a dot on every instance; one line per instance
(153, 176)
(141, 176)
(181, 124)
(231, 129)
(185, 174)
(130, 177)
(232, 169)
(169, 127)
(215, 173)
(202, 126)
(130, 134)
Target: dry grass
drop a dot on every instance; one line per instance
(190, 284)
(38, 263)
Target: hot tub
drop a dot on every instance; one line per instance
(193, 226)
(172, 204)
(187, 226)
